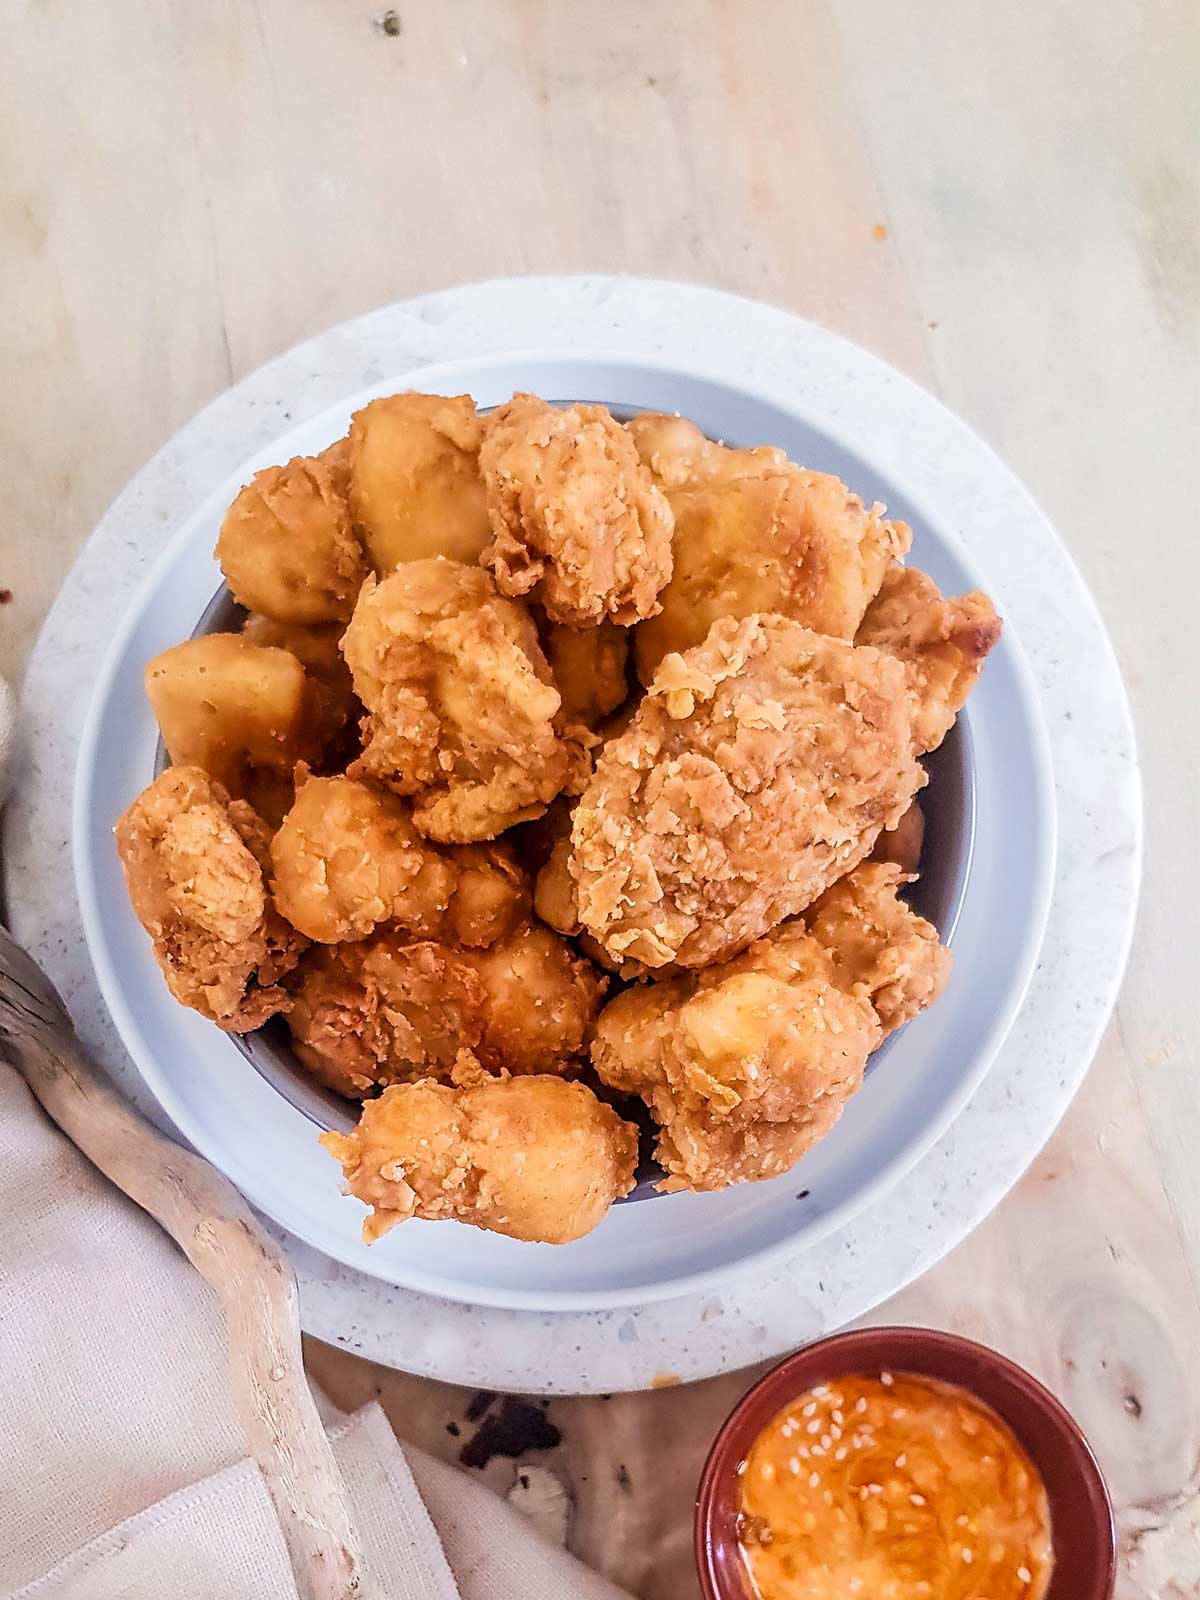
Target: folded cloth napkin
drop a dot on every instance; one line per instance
(124, 1467)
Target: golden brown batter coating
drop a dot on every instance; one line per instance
(903, 843)
(461, 708)
(745, 1066)
(588, 666)
(330, 704)
(534, 1158)
(755, 533)
(760, 767)
(225, 704)
(347, 859)
(577, 520)
(390, 1009)
(286, 546)
(415, 489)
(387, 1010)
(880, 949)
(942, 643)
(194, 864)
(540, 1001)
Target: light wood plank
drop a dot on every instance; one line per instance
(184, 191)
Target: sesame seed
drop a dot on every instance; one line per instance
(826, 1441)
(817, 1450)
(1024, 1574)
(916, 1499)
(899, 1411)
(814, 1479)
(875, 1488)
(840, 1453)
(961, 1521)
(968, 1555)
(793, 1465)
(855, 1585)
(862, 1493)
(838, 1417)
(836, 1431)
(901, 1459)
(814, 1426)
(808, 1410)
(827, 1497)
(886, 1379)
(860, 1405)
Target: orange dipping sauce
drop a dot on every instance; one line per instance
(895, 1487)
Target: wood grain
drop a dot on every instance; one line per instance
(1002, 200)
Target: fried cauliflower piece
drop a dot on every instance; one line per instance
(534, 1158)
(540, 1001)
(286, 546)
(902, 844)
(391, 1010)
(226, 704)
(386, 1010)
(942, 643)
(347, 859)
(588, 667)
(576, 519)
(760, 766)
(461, 708)
(194, 863)
(330, 703)
(415, 489)
(880, 948)
(755, 533)
(745, 1066)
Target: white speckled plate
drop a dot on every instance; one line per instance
(811, 1270)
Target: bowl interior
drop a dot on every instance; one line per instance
(994, 898)
(948, 802)
(1083, 1533)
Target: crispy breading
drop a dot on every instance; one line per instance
(746, 1065)
(880, 948)
(194, 864)
(390, 1009)
(386, 1010)
(286, 546)
(540, 1001)
(943, 644)
(534, 1158)
(754, 533)
(348, 859)
(461, 709)
(760, 767)
(415, 489)
(577, 521)
(588, 666)
(903, 843)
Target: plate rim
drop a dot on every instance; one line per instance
(906, 1156)
(692, 1338)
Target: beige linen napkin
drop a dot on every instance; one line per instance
(122, 1465)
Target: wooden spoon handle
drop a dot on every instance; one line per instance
(218, 1233)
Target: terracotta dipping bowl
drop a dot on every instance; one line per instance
(1081, 1516)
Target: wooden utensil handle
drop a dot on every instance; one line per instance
(218, 1233)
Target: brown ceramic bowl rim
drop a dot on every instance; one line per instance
(1085, 1541)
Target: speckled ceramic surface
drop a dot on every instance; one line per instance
(909, 440)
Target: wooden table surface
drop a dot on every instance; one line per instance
(1004, 201)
